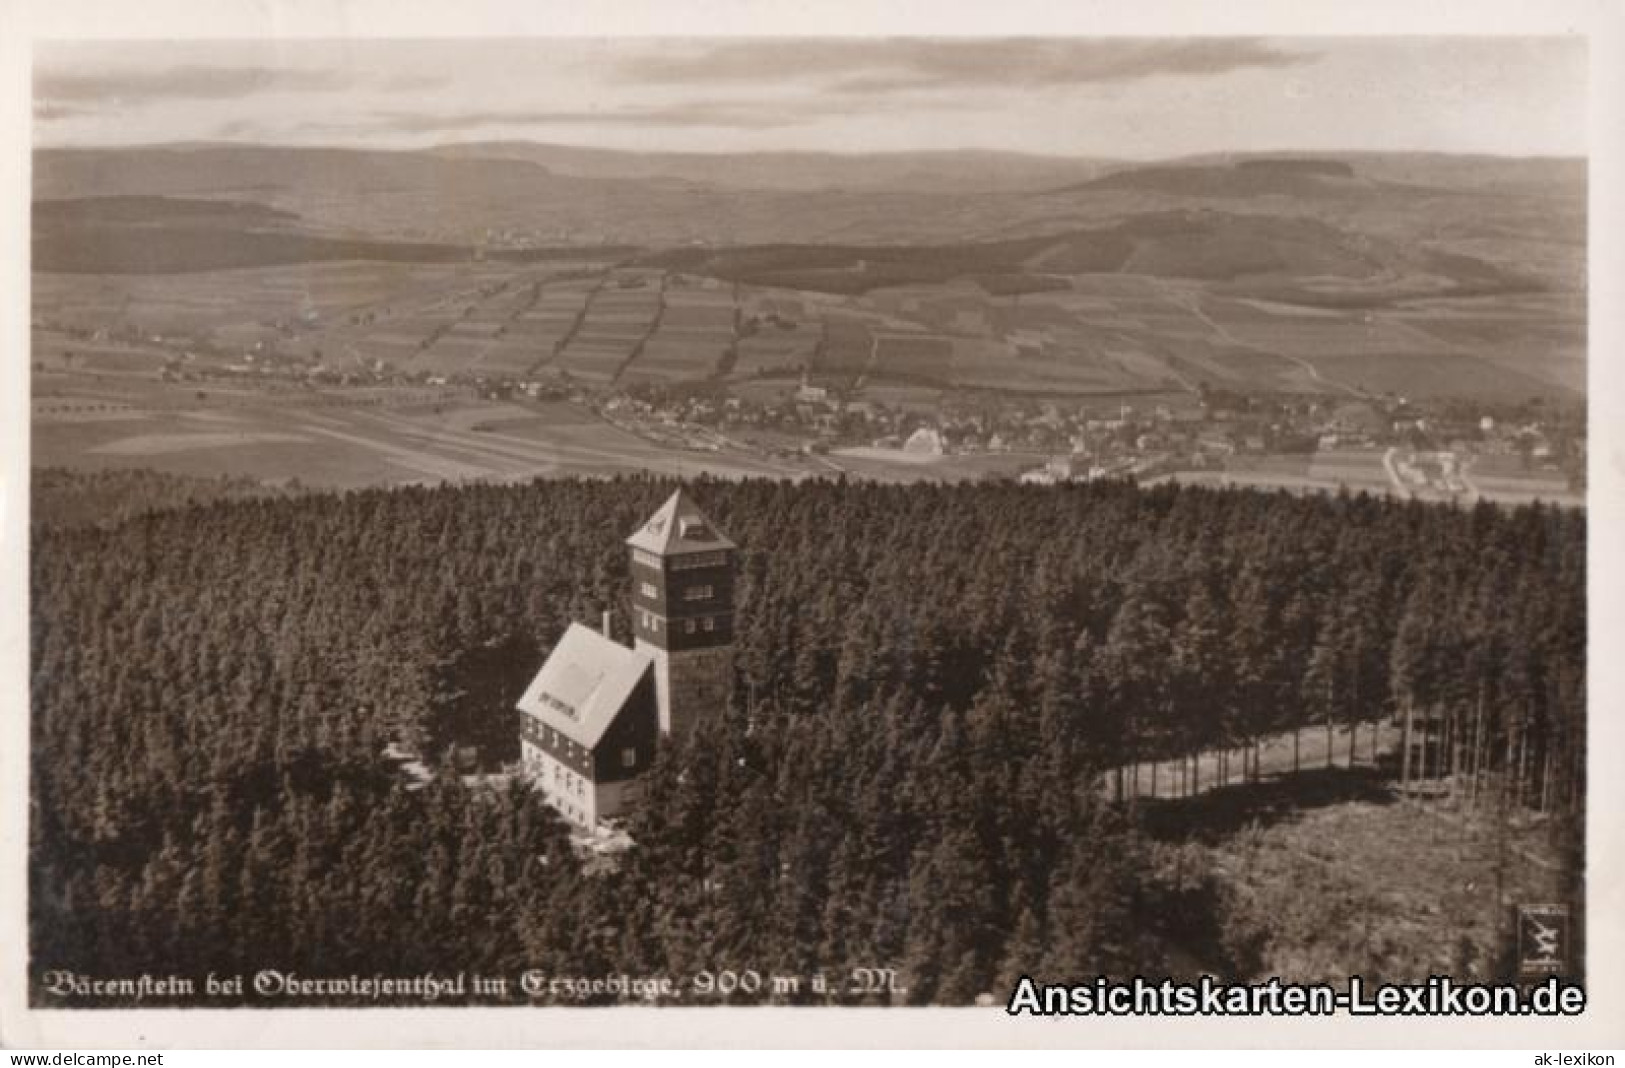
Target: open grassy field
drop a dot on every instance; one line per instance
(892, 465)
(343, 439)
(1402, 888)
(1510, 479)
(914, 355)
(777, 352)
(846, 349)
(1357, 470)
(1300, 473)
(1495, 478)
(306, 294)
(1326, 874)
(54, 350)
(1126, 333)
(466, 318)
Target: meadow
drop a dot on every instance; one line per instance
(347, 439)
(692, 316)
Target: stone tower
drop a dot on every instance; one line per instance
(683, 611)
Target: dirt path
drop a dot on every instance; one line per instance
(1193, 304)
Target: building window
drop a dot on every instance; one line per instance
(629, 758)
(688, 626)
(649, 590)
(710, 624)
(562, 707)
(647, 559)
(698, 593)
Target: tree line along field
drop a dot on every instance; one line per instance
(907, 773)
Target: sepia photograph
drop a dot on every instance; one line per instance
(1033, 523)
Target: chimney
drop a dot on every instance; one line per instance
(607, 633)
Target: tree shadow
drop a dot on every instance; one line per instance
(478, 688)
(1217, 814)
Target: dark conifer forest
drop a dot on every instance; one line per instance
(935, 687)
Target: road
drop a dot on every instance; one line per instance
(1390, 466)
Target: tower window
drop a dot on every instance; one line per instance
(688, 626)
(649, 590)
(710, 624)
(698, 593)
(629, 758)
(698, 560)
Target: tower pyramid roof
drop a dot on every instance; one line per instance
(678, 526)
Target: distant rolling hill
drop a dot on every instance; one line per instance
(1305, 178)
(561, 195)
(267, 173)
(948, 171)
(175, 235)
(1491, 224)
(1301, 260)
(427, 196)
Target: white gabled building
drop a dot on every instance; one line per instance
(590, 721)
(589, 724)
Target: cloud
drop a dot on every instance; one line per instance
(872, 65)
(238, 128)
(414, 83)
(51, 111)
(741, 114)
(181, 83)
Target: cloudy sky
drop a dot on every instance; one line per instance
(1116, 97)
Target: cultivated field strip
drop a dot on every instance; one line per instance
(621, 313)
(693, 338)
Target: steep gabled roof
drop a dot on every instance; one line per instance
(679, 527)
(584, 685)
